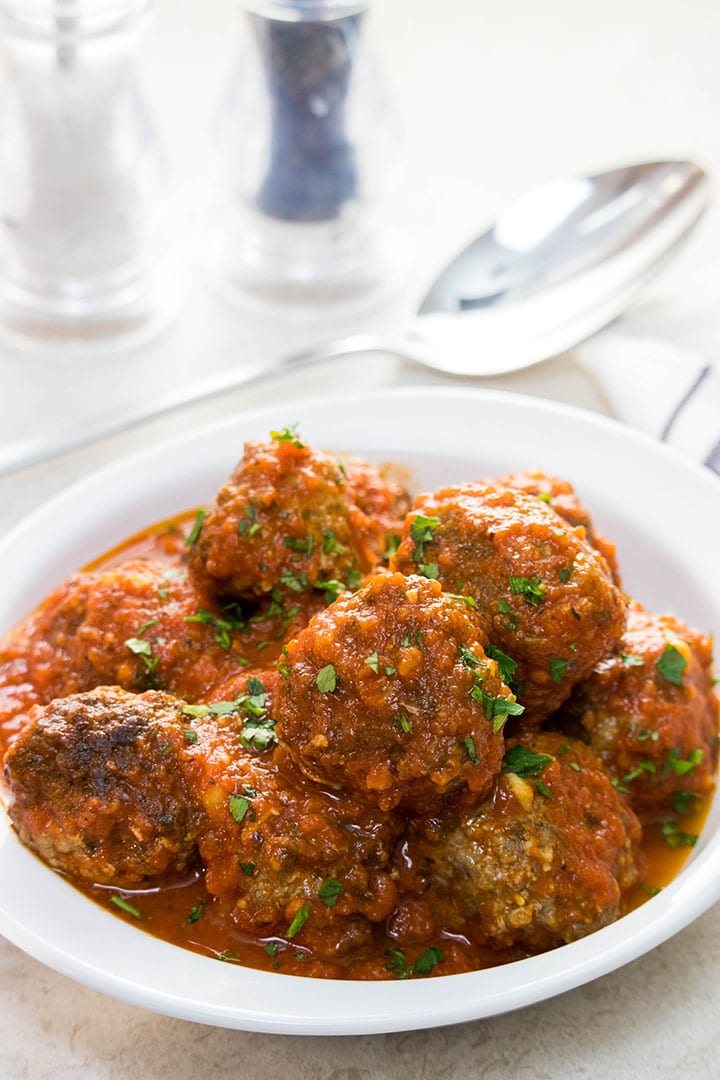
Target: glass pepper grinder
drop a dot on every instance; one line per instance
(83, 260)
(310, 148)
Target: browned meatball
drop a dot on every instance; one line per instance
(560, 494)
(389, 693)
(95, 787)
(544, 595)
(139, 625)
(272, 843)
(649, 711)
(287, 519)
(548, 857)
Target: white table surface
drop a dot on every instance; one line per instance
(493, 99)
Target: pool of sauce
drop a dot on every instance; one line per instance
(182, 912)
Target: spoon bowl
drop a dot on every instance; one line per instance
(558, 265)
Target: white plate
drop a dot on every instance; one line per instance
(664, 514)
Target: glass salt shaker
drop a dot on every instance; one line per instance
(309, 150)
(83, 258)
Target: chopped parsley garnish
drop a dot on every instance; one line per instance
(650, 890)
(496, 708)
(301, 917)
(222, 628)
(296, 582)
(372, 662)
(672, 664)
(190, 735)
(566, 570)
(273, 948)
(506, 665)
(402, 722)
(425, 963)
(469, 600)
(643, 736)
(125, 906)
(326, 679)
(283, 669)
(524, 762)
(682, 766)
(542, 789)
(398, 964)
(422, 531)
(558, 666)
(330, 891)
(143, 649)
(196, 913)
(631, 660)
(682, 801)
(258, 734)
(530, 588)
(354, 579)
(248, 868)
(467, 657)
(288, 434)
(238, 806)
(429, 570)
(469, 745)
(675, 837)
(618, 786)
(506, 609)
(194, 533)
(330, 544)
(393, 543)
(574, 765)
(249, 523)
(303, 546)
(331, 588)
(390, 670)
(639, 769)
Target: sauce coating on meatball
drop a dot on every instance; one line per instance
(650, 712)
(545, 597)
(390, 693)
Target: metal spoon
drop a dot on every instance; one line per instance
(559, 264)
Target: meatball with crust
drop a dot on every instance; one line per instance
(650, 712)
(390, 694)
(560, 494)
(544, 596)
(548, 857)
(287, 519)
(95, 786)
(139, 625)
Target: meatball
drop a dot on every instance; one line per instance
(274, 845)
(287, 519)
(377, 494)
(96, 790)
(140, 625)
(560, 494)
(549, 856)
(649, 711)
(390, 694)
(545, 597)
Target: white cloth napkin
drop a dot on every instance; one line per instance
(659, 388)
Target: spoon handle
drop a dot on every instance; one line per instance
(22, 453)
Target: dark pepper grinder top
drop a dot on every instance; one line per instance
(307, 64)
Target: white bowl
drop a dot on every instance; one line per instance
(663, 513)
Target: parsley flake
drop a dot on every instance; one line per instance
(326, 679)
(558, 666)
(330, 891)
(469, 745)
(671, 665)
(238, 806)
(530, 588)
(301, 917)
(524, 762)
(119, 902)
(288, 434)
(194, 533)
